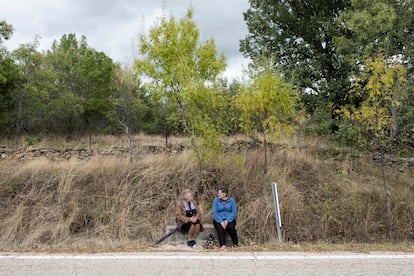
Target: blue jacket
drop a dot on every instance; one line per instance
(224, 210)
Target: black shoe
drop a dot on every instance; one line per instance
(191, 243)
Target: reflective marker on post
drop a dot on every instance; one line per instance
(277, 211)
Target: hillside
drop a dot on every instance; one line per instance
(55, 192)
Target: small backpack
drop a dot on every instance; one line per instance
(210, 242)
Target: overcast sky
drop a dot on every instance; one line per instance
(112, 26)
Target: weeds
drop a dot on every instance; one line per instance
(109, 202)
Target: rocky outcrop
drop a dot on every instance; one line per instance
(84, 153)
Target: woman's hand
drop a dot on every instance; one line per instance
(193, 219)
(224, 224)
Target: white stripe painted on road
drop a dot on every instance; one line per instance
(210, 256)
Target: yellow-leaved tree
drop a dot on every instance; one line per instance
(268, 108)
(381, 87)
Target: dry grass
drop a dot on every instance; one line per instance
(107, 203)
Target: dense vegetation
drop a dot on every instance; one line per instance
(350, 62)
(339, 70)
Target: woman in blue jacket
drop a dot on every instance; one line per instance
(224, 213)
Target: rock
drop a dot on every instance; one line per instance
(178, 237)
(3, 155)
(21, 156)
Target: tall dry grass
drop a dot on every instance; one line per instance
(112, 200)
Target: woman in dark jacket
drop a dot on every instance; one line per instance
(188, 214)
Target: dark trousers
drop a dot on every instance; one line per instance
(221, 232)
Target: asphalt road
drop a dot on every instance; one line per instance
(209, 263)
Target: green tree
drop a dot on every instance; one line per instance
(378, 26)
(33, 93)
(299, 35)
(267, 107)
(228, 111)
(372, 28)
(81, 100)
(6, 31)
(9, 80)
(95, 78)
(129, 111)
(65, 103)
(323, 45)
(182, 72)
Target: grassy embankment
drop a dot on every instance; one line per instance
(58, 195)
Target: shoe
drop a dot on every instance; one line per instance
(235, 246)
(223, 247)
(190, 244)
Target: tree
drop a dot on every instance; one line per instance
(95, 78)
(267, 107)
(127, 107)
(299, 36)
(9, 80)
(322, 45)
(81, 100)
(369, 28)
(32, 94)
(382, 92)
(380, 28)
(65, 103)
(181, 72)
(6, 31)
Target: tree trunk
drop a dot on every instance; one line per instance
(90, 142)
(265, 198)
(130, 147)
(199, 166)
(166, 133)
(387, 200)
(197, 179)
(395, 125)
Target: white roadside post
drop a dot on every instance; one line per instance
(277, 211)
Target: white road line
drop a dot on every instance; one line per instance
(151, 256)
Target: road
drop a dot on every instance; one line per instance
(209, 263)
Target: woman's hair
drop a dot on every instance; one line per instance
(223, 190)
(185, 192)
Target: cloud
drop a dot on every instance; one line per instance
(112, 26)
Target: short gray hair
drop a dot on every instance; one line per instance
(185, 192)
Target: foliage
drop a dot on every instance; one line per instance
(299, 35)
(369, 28)
(6, 31)
(9, 79)
(267, 107)
(381, 93)
(324, 45)
(83, 78)
(181, 73)
(131, 112)
(32, 95)
(268, 103)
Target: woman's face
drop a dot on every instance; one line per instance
(188, 197)
(221, 195)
